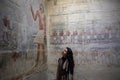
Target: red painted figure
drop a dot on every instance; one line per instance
(88, 36)
(61, 37)
(75, 33)
(6, 23)
(54, 37)
(41, 35)
(95, 36)
(68, 37)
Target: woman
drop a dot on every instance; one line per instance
(65, 65)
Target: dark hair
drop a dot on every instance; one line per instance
(69, 53)
(70, 59)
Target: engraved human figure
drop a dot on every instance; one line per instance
(6, 27)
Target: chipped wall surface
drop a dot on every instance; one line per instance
(18, 29)
(91, 28)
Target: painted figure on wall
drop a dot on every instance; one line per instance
(41, 35)
(54, 35)
(61, 34)
(75, 34)
(6, 28)
(88, 36)
(8, 34)
(68, 37)
(95, 36)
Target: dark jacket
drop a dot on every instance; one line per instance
(64, 69)
(65, 66)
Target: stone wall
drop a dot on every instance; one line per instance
(18, 52)
(91, 28)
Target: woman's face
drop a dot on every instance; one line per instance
(64, 52)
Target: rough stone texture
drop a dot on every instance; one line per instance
(94, 37)
(91, 28)
(17, 49)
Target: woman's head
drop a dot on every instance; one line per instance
(69, 52)
(64, 52)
